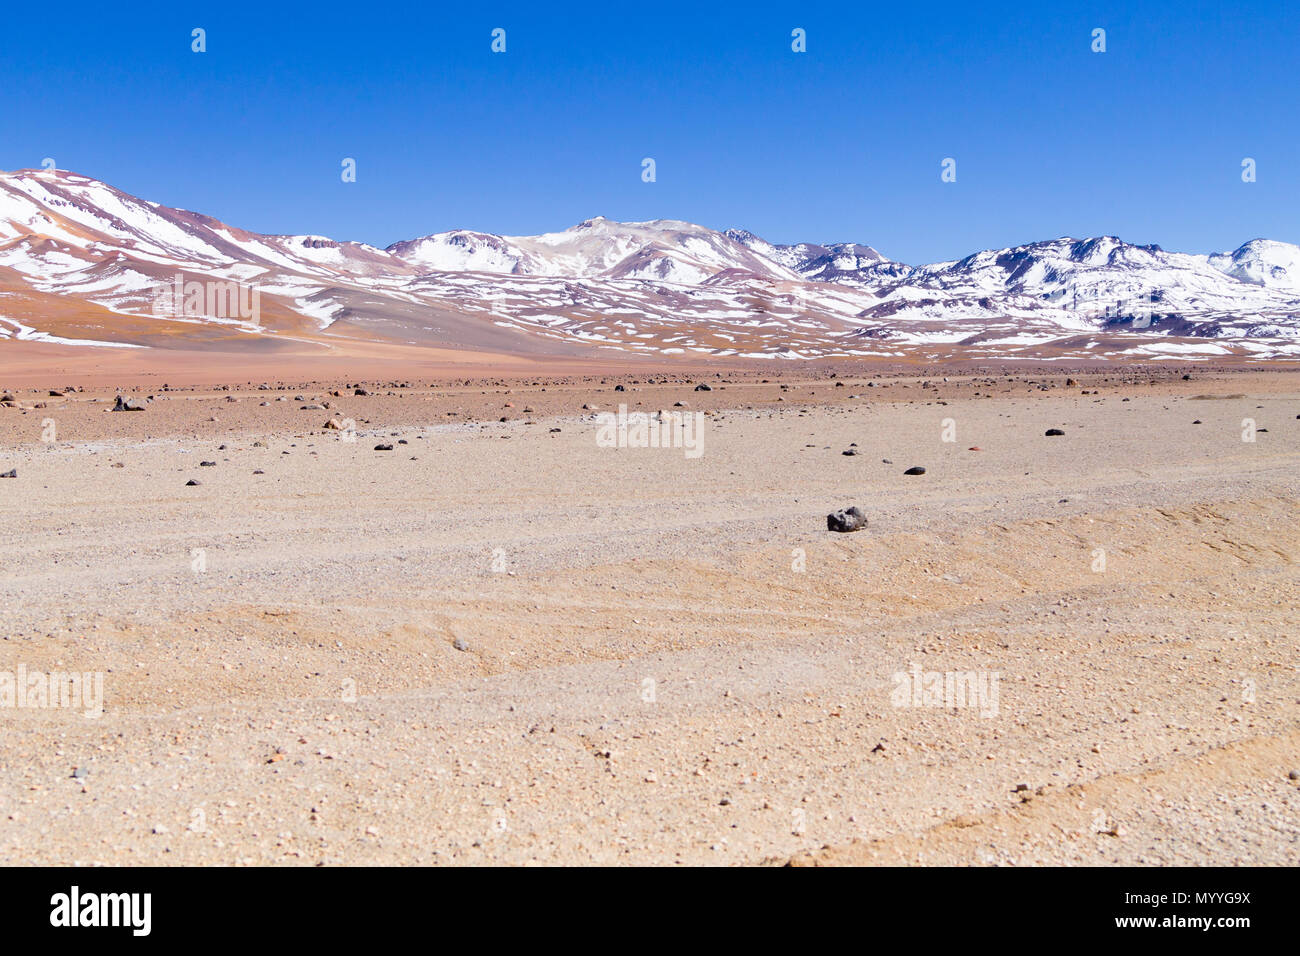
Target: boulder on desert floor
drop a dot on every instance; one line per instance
(128, 405)
(850, 519)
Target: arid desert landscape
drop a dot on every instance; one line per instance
(426, 614)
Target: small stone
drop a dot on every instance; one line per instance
(1052, 432)
(460, 644)
(704, 387)
(79, 773)
(191, 482)
(11, 473)
(207, 464)
(915, 470)
(128, 405)
(383, 447)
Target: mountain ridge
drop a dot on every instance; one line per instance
(83, 262)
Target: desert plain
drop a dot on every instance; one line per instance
(502, 642)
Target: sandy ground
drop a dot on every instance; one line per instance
(503, 643)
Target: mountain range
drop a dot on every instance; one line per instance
(83, 263)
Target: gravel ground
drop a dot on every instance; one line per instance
(502, 643)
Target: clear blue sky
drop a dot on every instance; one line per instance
(841, 143)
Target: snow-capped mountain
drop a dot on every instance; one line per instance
(84, 263)
(1103, 283)
(844, 262)
(662, 249)
(1274, 265)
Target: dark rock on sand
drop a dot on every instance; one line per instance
(11, 473)
(383, 447)
(850, 519)
(192, 481)
(1052, 432)
(128, 405)
(915, 470)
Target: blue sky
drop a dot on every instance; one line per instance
(841, 143)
